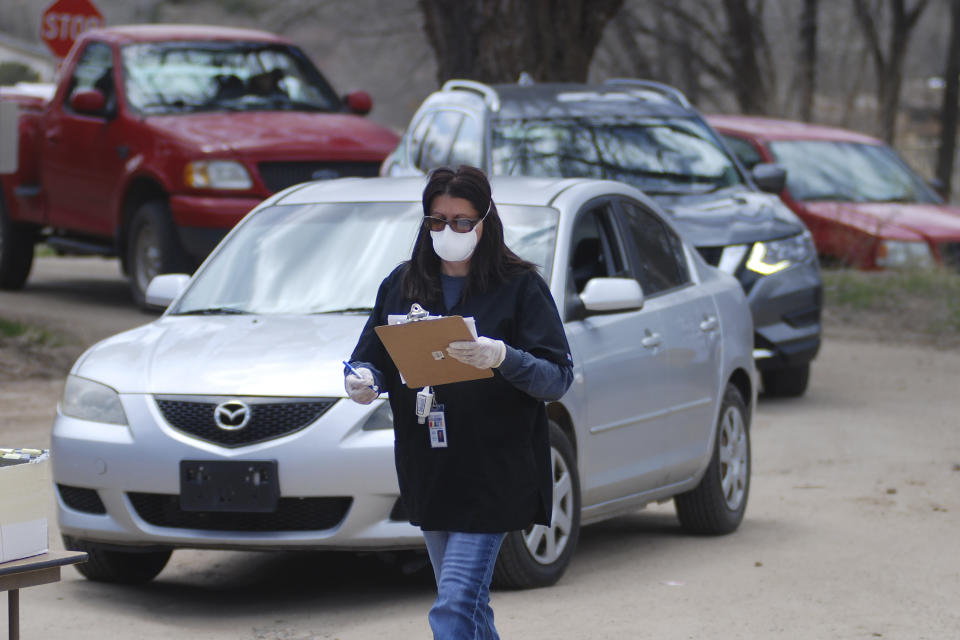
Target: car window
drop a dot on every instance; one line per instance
(94, 70)
(658, 155)
(419, 132)
(660, 263)
(296, 258)
(439, 140)
(183, 76)
(848, 172)
(744, 150)
(468, 146)
(594, 250)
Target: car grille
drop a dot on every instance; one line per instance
(292, 514)
(81, 499)
(268, 418)
(950, 254)
(280, 175)
(711, 255)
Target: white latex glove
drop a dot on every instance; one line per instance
(358, 387)
(485, 353)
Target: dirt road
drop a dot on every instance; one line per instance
(851, 532)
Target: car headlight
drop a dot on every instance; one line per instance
(776, 255)
(380, 419)
(899, 253)
(216, 174)
(89, 400)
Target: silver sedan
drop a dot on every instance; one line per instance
(224, 424)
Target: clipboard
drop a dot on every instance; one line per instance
(419, 350)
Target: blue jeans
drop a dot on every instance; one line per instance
(463, 566)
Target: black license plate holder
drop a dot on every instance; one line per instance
(241, 486)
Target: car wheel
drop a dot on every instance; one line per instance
(152, 248)
(790, 382)
(538, 556)
(123, 567)
(16, 251)
(717, 504)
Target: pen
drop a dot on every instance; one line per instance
(357, 373)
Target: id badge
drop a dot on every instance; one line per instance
(438, 428)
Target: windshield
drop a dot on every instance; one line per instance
(848, 172)
(326, 258)
(177, 77)
(657, 155)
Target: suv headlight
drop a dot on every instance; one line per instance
(776, 255)
(216, 174)
(89, 400)
(899, 253)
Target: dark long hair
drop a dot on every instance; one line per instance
(491, 263)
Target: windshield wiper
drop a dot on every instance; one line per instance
(345, 310)
(212, 311)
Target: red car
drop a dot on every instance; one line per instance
(864, 206)
(157, 139)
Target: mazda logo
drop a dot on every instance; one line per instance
(232, 415)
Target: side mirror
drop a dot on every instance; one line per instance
(165, 288)
(770, 177)
(358, 102)
(89, 102)
(603, 295)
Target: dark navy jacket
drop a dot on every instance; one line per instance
(495, 474)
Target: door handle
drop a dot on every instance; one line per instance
(709, 323)
(652, 340)
(53, 135)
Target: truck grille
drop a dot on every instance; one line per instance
(280, 175)
(292, 514)
(268, 419)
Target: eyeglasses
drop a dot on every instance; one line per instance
(460, 225)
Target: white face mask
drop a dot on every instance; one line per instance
(452, 246)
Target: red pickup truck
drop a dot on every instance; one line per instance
(157, 139)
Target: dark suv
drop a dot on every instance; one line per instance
(649, 135)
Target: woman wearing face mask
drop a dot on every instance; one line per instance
(490, 473)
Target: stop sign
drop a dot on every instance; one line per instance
(64, 20)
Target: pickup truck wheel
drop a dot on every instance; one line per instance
(105, 564)
(16, 251)
(152, 248)
(538, 556)
(716, 505)
(790, 382)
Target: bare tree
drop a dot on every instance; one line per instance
(724, 43)
(496, 40)
(888, 61)
(808, 58)
(951, 103)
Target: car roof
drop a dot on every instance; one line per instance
(572, 100)
(506, 190)
(126, 34)
(778, 129)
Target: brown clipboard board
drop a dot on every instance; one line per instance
(419, 349)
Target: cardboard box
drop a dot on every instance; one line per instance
(26, 491)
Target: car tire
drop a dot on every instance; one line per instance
(106, 564)
(152, 248)
(790, 382)
(716, 506)
(539, 555)
(16, 251)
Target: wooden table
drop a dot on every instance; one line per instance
(30, 572)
